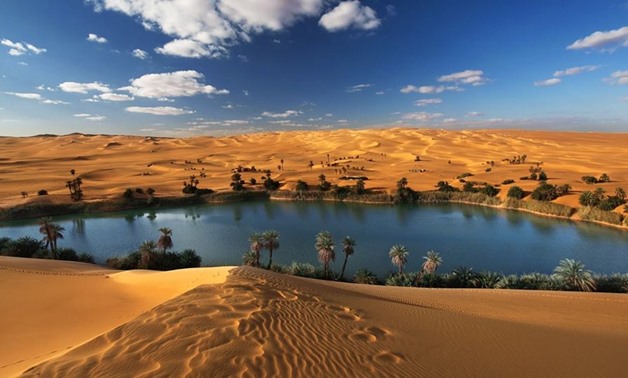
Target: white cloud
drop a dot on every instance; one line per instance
(172, 84)
(96, 118)
(598, 39)
(44, 88)
(449, 120)
(379, 93)
(189, 48)
(95, 38)
(140, 54)
(474, 114)
(21, 48)
(245, 92)
(429, 89)
(202, 28)
(82, 115)
(36, 97)
(575, 71)
(74, 87)
(422, 116)
(230, 122)
(54, 102)
(343, 121)
(547, 83)
(286, 114)
(350, 14)
(28, 96)
(24, 64)
(159, 110)
(470, 77)
(358, 88)
(618, 77)
(114, 97)
(428, 101)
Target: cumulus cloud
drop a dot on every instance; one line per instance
(422, 116)
(428, 101)
(350, 14)
(83, 88)
(140, 54)
(203, 28)
(358, 88)
(618, 77)
(21, 48)
(575, 70)
(114, 97)
(470, 77)
(286, 114)
(54, 102)
(95, 38)
(158, 110)
(602, 39)
(547, 83)
(171, 84)
(429, 89)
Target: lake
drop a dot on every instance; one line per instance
(482, 238)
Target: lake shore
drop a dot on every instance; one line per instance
(235, 321)
(109, 165)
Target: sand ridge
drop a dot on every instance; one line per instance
(258, 323)
(109, 165)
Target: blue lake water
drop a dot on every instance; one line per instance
(483, 238)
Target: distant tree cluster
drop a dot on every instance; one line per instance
(593, 180)
(597, 198)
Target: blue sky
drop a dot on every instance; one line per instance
(213, 67)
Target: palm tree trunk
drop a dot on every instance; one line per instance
(344, 265)
(270, 261)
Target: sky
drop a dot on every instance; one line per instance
(220, 67)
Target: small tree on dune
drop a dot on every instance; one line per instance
(257, 243)
(575, 277)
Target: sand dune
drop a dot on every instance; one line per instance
(43, 162)
(254, 323)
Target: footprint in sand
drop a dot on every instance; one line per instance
(369, 334)
(388, 358)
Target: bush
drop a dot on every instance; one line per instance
(604, 178)
(589, 180)
(25, 246)
(270, 184)
(443, 186)
(508, 181)
(365, 276)
(128, 194)
(544, 192)
(595, 214)
(301, 185)
(131, 261)
(462, 277)
(401, 279)
(42, 192)
(489, 190)
(139, 190)
(86, 258)
(542, 207)
(464, 175)
(431, 280)
(252, 181)
(615, 283)
(488, 280)
(67, 254)
(302, 269)
(188, 258)
(542, 176)
(515, 192)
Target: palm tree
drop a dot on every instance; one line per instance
(52, 232)
(431, 263)
(574, 275)
(165, 239)
(325, 247)
(347, 248)
(147, 250)
(399, 256)
(271, 242)
(257, 243)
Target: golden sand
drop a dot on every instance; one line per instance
(108, 165)
(74, 320)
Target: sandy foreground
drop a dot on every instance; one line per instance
(108, 165)
(70, 319)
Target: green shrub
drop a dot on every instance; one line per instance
(589, 179)
(515, 192)
(302, 269)
(25, 246)
(544, 192)
(615, 283)
(188, 258)
(42, 192)
(431, 280)
(401, 279)
(301, 185)
(67, 254)
(489, 190)
(508, 181)
(365, 276)
(462, 277)
(86, 258)
(464, 175)
(128, 194)
(488, 280)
